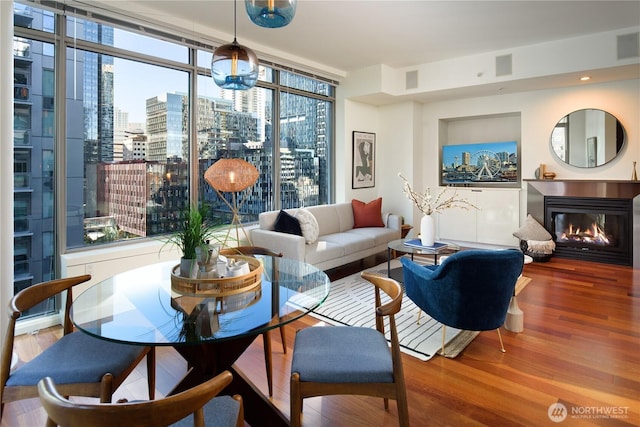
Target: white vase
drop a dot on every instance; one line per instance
(427, 230)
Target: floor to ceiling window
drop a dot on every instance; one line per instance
(305, 136)
(120, 122)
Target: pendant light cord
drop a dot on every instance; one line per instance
(235, 20)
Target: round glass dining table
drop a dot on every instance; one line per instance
(139, 307)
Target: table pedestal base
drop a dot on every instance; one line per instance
(207, 360)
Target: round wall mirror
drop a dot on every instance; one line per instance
(587, 138)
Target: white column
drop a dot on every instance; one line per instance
(6, 159)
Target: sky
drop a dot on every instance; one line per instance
(135, 82)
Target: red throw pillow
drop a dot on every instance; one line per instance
(367, 214)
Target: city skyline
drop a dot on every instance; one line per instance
(484, 162)
(454, 153)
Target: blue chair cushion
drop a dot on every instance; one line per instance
(342, 354)
(219, 412)
(76, 358)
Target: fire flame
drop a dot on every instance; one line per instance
(595, 234)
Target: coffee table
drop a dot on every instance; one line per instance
(399, 246)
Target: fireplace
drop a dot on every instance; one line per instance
(593, 229)
(589, 220)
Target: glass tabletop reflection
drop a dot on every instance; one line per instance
(400, 246)
(139, 306)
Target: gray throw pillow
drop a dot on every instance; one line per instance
(532, 230)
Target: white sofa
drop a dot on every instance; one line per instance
(338, 242)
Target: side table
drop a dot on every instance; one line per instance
(404, 230)
(397, 246)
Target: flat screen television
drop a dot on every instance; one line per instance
(481, 164)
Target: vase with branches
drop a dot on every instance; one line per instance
(428, 205)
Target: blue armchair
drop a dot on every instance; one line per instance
(470, 290)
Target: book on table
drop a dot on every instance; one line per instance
(417, 243)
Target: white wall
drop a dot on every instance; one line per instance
(102, 263)
(398, 131)
(404, 138)
(401, 142)
(571, 58)
(408, 134)
(540, 111)
(363, 118)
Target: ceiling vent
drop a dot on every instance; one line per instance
(411, 80)
(503, 65)
(629, 46)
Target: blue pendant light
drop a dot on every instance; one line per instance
(271, 13)
(234, 66)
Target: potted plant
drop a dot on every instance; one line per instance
(194, 233)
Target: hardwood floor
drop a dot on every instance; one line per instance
(580, 347)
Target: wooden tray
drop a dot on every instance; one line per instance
(221, 286)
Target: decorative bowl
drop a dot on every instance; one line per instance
(221, 286)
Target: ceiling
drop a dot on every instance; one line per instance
(352, 34)
(333, 37)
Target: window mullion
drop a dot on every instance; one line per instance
(276, 143)
(124, 53)
(194, 169)
(60, 146)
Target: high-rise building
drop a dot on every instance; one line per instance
(167, 136)
(97, 96)
(98, 118)
(144, 198)
(134, 146)
(33, 155)
(120, 126)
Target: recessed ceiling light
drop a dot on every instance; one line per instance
(585, 78)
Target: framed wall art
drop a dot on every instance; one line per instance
(363, 171)
(481, 164)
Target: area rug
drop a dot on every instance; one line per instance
(351, 302)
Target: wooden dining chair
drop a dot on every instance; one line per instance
(80, 364)
(330, 360)
(268, 360)
(175, 410)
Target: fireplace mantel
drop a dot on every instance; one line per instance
(538, 189)
(585, 188)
